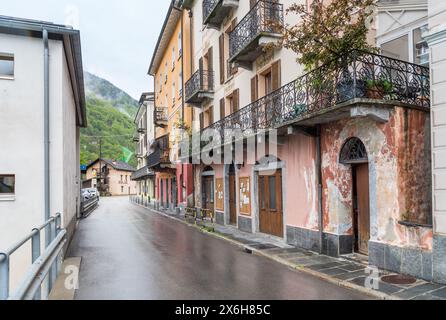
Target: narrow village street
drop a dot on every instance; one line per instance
(131, 253)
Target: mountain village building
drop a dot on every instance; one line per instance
(347, 167)
(110, 177)
(42, 105)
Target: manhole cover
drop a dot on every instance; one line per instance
(399, 279)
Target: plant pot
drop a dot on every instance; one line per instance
(375, 93)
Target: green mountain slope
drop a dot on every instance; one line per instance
(103, 89)
(110, 114)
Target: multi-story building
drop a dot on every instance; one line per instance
(42, 105)
(347, 163)
(437, 42)
(144, 121)
(173, 182)
(110, 177)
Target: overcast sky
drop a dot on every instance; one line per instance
(118, 36)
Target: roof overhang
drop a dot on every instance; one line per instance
(73, 52)
(145, 97)
(172, 18)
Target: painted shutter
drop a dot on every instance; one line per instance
(211, 115)
(201, 121)
(236, 101)
(254, 89)
(222, 108)
(210, 68)
(222, 57)
(276, 75)
(200, 68)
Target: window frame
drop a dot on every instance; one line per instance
(5, 57)
(9, 196)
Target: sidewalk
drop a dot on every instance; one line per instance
(341, 271)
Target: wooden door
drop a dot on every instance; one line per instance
(232, 201)
(363, 208)
(208, 193)
(270, 204)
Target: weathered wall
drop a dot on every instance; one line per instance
(300, 181)
(398, 152)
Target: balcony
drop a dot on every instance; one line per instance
(215, 11)
(141, 174)
(200, 87)
(364, 84)
(260, 27)
(161, 118)
(159, 160)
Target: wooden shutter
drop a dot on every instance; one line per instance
(200, 64)
(276, 75)
(211, 115)
(236, 101)
(222, 58)
(254, 88)
(210, 55)
(222, 108)
(201, 121)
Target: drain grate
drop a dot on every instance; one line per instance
(399, 279)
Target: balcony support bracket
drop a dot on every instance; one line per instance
(376, 113)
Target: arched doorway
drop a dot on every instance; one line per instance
(354, 153)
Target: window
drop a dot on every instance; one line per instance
(180, 45)
(173, 93)
(180, 84)
(7, 184)
(6, 66)
(122, 189)
(167, 71)
(173, 58)
(121, 176)
(272, 193)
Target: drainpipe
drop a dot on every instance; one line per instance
(46, 125)
(319, 183)
(191, 48)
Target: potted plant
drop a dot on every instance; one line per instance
(378, 88)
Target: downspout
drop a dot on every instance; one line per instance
(46, 125)
(191, 48)
(319, 183)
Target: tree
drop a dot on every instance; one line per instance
(329, 30)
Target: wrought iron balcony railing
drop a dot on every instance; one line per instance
(161, 116)
(264, 19)
(142, 173)
(359, 77)
(199, 87)
(215, 11)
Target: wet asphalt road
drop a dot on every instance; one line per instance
(131, 253)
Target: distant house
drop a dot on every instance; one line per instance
(110, 177)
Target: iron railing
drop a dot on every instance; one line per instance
(264, 17)
(201, 81)
(208, 7)
(44, 265)
(358, 75)
(87, 206)
(141, 173)
(161, 114)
